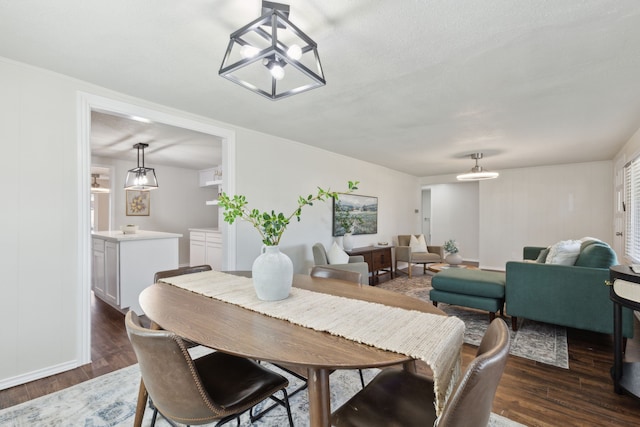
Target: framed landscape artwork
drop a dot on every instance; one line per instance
(138, 203)
(363, 208)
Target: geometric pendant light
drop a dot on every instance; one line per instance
(141, 177)
(272, 57)
(477, 173)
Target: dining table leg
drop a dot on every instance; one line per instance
(319, 397)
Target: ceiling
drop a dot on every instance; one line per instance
(415, 86)
(113, 136)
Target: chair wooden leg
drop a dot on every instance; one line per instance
(409, 270)
(435, 303)
(492, 316)
(514, 323)
(141, 406)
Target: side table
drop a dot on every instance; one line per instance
(378, 258)
(624, 292)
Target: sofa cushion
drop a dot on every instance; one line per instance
(426, 257)
(565, 252)
(336, 255)
(597, 255)
(470, 282)
(418, 244)
(586, 241)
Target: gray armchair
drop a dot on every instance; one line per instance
(356, 263)
(404, 254)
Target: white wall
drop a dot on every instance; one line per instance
(175, 206)
(454, 215)
(272, 172)
(530, 207)
(40, 255)
(540, 206)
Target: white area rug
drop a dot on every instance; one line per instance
(533, 340)
(110, 400)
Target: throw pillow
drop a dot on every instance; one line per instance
(565, 252)
(336, 255)
(418, 244)
(542, 258)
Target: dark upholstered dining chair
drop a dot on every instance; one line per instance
(216, 387)
(180, 271)
(401, 398)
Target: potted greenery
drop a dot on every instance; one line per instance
(272, 271)
(347, 222)
(453, 257)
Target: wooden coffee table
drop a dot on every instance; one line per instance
(437, 268)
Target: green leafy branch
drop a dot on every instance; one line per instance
(271, 225)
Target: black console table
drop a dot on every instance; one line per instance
(626, 375)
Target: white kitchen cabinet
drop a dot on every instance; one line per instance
(104, 278)
(98, 280)
(124, 264)
(112, 285)
(205, 247)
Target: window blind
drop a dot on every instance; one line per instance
(632, 210)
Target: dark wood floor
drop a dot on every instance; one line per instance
(531, 393)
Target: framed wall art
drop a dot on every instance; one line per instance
(138, 203)
(360, 213)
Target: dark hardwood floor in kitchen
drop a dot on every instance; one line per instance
(531, 393)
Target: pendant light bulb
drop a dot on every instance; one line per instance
(294, 52)
(248, 51)
(277, 72)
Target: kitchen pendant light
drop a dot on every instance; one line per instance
(477, 173)
(272, 57)
(141, 178)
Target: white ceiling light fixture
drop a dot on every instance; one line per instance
(477, 173)
(272, 57)
(141, 177)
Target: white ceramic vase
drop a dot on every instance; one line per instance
(347, 241)
(272, 274)
(453, 259)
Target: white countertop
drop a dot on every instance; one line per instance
(118, 236)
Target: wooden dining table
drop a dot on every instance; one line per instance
(235, 330)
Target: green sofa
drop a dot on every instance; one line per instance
(568, 295)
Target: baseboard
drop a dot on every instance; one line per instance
(38, 374)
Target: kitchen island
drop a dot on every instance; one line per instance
(124, 264)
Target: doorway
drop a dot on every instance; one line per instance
(87, 103)
(426, 214)
(101, 192)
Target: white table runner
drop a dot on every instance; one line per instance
(432, 338)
